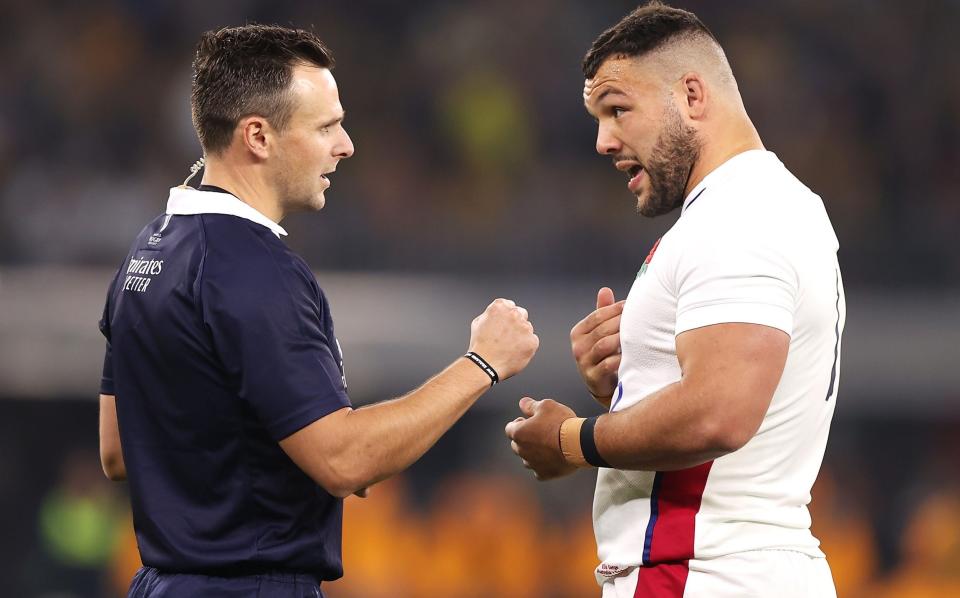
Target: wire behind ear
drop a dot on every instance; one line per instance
(194, 169)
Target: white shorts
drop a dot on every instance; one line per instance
(754, 574)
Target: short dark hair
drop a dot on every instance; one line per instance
(647, 28)
(246, 70)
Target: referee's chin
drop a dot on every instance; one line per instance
(319, 199)
(313, 203)
(318, 202)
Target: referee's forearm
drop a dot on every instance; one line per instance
(386, 438)
(111, 453)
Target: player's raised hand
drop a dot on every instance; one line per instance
(536, 437)
(504, 337)
(595, 342)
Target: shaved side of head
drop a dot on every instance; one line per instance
(688, 53)
(667, 41)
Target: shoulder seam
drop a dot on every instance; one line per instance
(283, 281)
(198, 283)
(263, 244)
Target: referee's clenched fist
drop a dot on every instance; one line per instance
(504, 337)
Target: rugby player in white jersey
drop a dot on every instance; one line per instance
(720, 369)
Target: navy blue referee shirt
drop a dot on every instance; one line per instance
(219, 344)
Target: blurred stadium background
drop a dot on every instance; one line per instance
(475, 177)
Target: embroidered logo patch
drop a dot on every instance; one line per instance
(647, 261)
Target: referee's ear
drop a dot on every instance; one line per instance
(255, 133)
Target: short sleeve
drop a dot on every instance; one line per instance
(266, 324)
(106, 378)
(733, 277)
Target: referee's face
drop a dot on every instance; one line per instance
(313, 142)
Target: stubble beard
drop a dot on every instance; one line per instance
(296, 194)
(668, 169)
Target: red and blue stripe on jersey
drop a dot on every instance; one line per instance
(669, 540)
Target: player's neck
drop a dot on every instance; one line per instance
(739, 138)
(246, 184)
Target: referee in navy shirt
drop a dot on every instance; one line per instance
(223, 401)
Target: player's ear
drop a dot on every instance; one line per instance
(693, 90)
(254, 133)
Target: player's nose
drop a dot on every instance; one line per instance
(607, 142)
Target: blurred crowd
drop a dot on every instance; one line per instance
(482, 535)
(474, 152)
(468, 522)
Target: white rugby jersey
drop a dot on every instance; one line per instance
(752, 244)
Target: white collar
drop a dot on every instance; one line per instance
(745, 157)
(188, 201)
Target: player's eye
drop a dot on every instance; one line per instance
(618, 112)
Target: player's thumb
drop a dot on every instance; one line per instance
(604, 297)
(529, 406)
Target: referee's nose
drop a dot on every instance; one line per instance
(344, 146)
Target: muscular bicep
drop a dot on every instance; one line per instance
(735, 368)
(111, 453)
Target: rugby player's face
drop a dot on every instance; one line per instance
(641, 128)
(313, 142)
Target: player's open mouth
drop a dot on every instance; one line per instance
(637, 174)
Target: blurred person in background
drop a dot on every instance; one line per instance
(79, 526)
(223, 399)
(720, 369)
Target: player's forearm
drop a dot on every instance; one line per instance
(676, 427)
(388, 437)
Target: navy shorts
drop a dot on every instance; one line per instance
(150, 583)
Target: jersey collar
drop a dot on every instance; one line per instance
(187, 201)
(743, 158)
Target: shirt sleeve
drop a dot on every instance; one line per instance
(266, 323)
(106, 378)
(730, 277)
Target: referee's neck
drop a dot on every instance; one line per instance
(247, 183)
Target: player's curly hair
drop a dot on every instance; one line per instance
(647, 28)
(239, 71)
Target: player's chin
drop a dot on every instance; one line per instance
(643, 199)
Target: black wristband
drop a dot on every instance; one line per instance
(483, 365)
(588, 446)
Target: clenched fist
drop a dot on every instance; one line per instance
(504, 337)
(535, 438)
